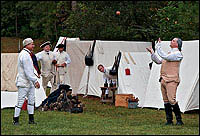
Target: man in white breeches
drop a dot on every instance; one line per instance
(63, 60)
(26, 80)
(108, 78)
(47, 61)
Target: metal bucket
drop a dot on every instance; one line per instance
(132, 105)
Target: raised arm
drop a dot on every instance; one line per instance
(176, 56)
(153, 56)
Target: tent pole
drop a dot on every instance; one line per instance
(87, 82)
(19, 46)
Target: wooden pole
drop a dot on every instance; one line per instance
(19, 46)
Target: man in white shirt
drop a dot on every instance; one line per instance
(169, 77)
(63, 60)
(108, 78)
(47, 61)
(26, 80)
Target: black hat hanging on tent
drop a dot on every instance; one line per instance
(65, 44)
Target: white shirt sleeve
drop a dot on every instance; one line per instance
(105, 78)
(54, 55)
(174, 56)
(106, 74)
(156, 59)
(27, 64)
(38, 56)
(67, 59)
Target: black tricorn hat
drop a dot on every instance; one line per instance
(60, 46)
(64, 86)
(44, 44)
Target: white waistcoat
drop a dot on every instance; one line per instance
(61, 58)
(46, 63)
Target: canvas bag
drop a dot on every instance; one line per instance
(89, 56)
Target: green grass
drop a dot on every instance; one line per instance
(99, 119)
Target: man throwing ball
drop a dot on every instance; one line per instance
(169, 77)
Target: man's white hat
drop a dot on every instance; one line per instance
(27, 41)
(44, 44)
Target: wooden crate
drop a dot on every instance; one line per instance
(122, 99)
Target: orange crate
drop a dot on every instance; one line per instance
(122, 99)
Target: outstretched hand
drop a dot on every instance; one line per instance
(159, 40)
(150, 50)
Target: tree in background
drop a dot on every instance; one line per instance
(8, 17)
(179, 19)
(88, 20)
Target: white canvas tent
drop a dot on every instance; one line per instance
(77, 50)
(188, 89)
(104, 53)
(136, 82)
(9, 99)
(8, 71)
(8, 76)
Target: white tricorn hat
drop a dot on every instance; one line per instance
(27, 41)
(44, 44)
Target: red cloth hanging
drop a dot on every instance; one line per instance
(127, 71)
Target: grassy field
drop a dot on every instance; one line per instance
(97, 118)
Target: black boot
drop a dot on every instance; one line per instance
(177, 113)
(31, 119)
(169, 115)
(15, 120)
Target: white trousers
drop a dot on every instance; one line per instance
(22, 94)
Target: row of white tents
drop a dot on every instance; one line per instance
(142, 82)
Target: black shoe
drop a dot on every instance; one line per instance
(179, 123)
(31, 119)
(16, 121)
(169, 123)
(31, 122)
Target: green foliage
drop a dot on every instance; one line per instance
(179, 19)
(8, 11)
(138, 21)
